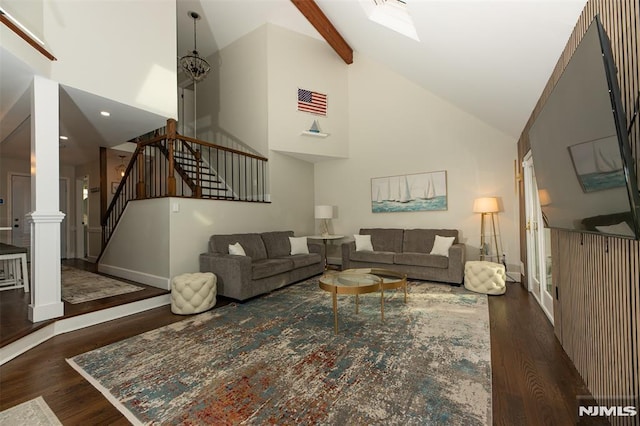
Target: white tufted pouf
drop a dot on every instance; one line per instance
(193, 293)
(484, 277)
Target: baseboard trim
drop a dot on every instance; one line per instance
(66, 325)
(137, 276)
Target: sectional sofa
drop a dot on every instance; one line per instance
(409, 251)
(267, 263)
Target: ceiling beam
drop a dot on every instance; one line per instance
(23, 35)
(321, 23)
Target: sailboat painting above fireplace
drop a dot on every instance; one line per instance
(598, 164)
(409, 193)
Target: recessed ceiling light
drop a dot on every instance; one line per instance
(63, 138)
(105, 113)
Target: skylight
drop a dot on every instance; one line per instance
(394, 15)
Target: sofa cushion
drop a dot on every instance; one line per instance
(299, 245)
(373, 256)
(441, 245)
(277, 243)
(421, 240)
(268, 267)
(302, 260)
(422, 259)
(251, 243)
(236, 250)
(363, 242)
(384, 239)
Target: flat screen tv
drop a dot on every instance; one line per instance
(580, 147)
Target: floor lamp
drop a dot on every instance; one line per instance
(486, 206)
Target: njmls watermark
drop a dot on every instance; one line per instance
(610, 406)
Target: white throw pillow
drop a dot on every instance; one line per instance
(621, 228)
(299, 245)
(236, 249)
(363, 242)
(441, 245)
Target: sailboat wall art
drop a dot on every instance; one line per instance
(409, 193)
(598, 164)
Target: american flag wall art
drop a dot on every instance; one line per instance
(313, 102)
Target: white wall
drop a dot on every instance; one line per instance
(397, 127)
(30, 14)
(168, 242)
(233, 97)
(121, 50)
(298, 61)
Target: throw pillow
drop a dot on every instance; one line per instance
(363, 242)
(299, 245)
(441, 245)
(236, 249)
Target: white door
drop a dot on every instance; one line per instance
(21, 205)
(538, 243)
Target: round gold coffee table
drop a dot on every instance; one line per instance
(361, 281)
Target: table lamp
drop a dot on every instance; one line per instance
(486, 206)
(324, 213)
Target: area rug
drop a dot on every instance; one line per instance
(35, 412)
(277, 360)
(80, 286)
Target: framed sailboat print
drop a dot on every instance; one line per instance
(409, 193)
(598, 164)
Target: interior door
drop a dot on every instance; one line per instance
(538, 243)
(21, 205)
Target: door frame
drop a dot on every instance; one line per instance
(532, 202)
(67, 229)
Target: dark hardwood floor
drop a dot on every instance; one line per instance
(534, 382)
(14, 323)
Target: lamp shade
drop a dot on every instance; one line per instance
(485, 205)
(324, 212)
(543, 196)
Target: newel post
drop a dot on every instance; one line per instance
(140, 186)
(171, 138)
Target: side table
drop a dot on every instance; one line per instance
(324, 239)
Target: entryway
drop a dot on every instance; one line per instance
(538, 241)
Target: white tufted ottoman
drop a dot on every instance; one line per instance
(193, 293)
(484, 277)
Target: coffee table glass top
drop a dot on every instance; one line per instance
(350, 278)
(361, 281)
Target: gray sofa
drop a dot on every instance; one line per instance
(407, 251)
(268, 264)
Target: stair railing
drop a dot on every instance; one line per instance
(172, 165)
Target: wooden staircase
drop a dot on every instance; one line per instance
(172, 165)
(199, 175)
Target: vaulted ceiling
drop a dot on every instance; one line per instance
(491, 58)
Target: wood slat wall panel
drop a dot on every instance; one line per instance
(598, 313)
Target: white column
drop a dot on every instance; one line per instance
(45, 218)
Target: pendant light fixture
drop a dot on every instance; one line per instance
(192, 64)
(121, 168)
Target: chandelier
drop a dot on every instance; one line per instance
(121, 168)
(192, 64)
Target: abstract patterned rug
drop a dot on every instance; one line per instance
(35, 412)
(276, 360)
(80, 286)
